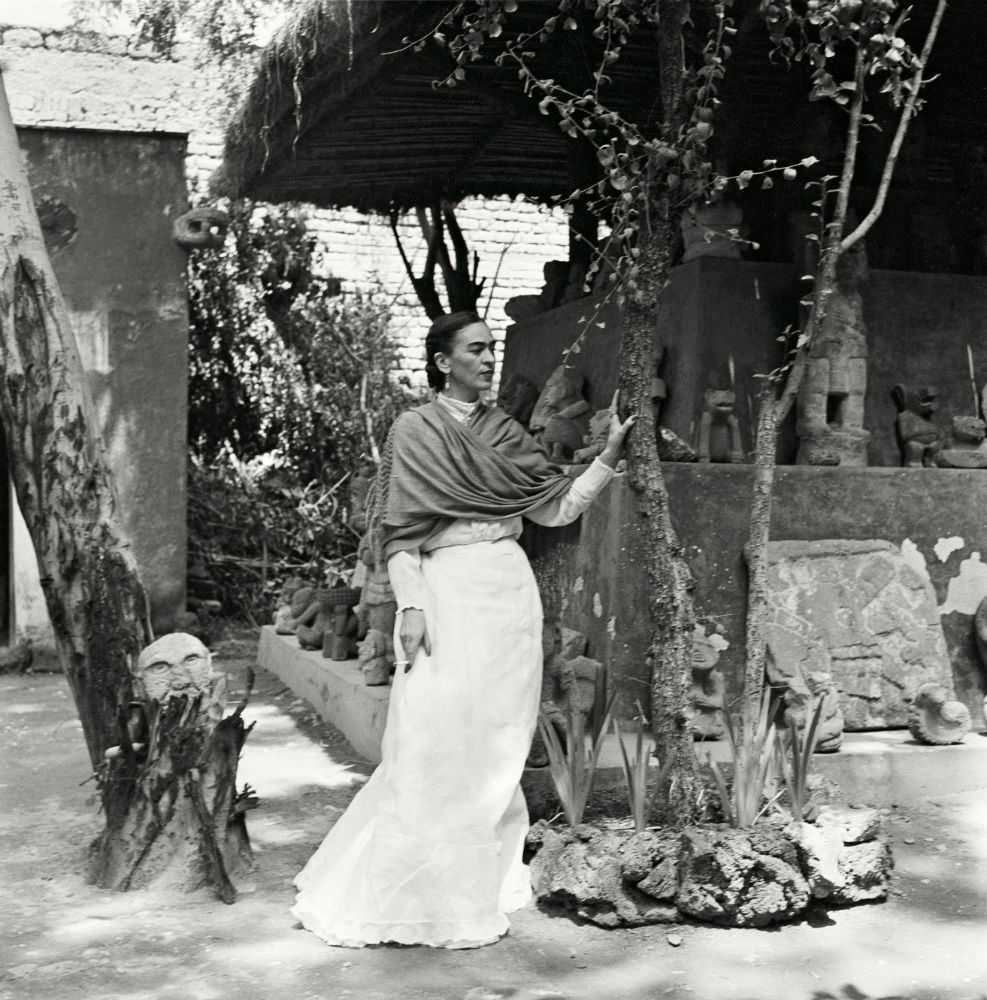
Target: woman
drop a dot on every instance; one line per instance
(429, 851)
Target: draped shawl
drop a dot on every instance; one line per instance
(441, 470)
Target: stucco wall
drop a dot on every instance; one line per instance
(918, 329)
(937, 516)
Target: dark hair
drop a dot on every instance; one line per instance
(439, 340)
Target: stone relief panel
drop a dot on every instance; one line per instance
(861, 612)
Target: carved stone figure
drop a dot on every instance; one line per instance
(706, 696)
(559, 418)
(311, 625)
(830, 421)
(936, 718)
(376, 613)
(518, 396)
(339, 638)
(284, 616)
(966, 448)
(799, 701)
(201, 228)
(919, 438)
(567, 684)
(718, 421)
(713, 229)
(596, 437)
(556, 274)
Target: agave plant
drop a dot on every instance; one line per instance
(794, 760)
(572, 763)
(754, 752)
(636, 768)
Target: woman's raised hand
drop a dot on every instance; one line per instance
(617, 434)
(413, 636)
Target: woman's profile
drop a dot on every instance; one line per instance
(430, 849)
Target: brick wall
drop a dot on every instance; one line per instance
(67, 79)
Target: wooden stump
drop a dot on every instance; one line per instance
(169, 786)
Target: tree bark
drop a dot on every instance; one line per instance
(670, 592)
(65, 490)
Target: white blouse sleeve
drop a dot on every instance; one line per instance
(584, 490)
(405, 571)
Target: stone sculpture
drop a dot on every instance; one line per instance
(830, 421)
(918, 437)
(706, 696)
(595, 439)
(559, 418)
(799, 700)
(340, 632)
(518, 396)
(376, 613)
(719, 422)
(712, 229)
(966, 448)
(936, 718)
(316, 619)
(201, 228)
(568, 683)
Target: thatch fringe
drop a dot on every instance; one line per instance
(319, 58)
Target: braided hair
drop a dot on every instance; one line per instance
(439, 340)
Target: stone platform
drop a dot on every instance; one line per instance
(876, 768)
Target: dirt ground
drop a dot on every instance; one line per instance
(63, 939)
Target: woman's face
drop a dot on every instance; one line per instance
(469, 365)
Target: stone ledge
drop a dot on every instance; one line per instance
(875, 768)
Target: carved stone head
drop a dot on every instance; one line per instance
(174, 665)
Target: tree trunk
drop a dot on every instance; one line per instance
(670, 597)
(66, 493)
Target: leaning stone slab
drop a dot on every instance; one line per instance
(861, 612)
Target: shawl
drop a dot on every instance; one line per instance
(438, 470)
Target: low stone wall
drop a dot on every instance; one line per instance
(935, 517)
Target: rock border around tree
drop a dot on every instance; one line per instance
(712, 873)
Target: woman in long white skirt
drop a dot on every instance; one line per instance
(429, 851)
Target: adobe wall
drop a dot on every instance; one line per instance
(918, 328)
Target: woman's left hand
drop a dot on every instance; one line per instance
(617, 434)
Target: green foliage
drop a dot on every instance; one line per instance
(635, 769)
(572, 763)
(795, 761)
(818, 32)
(290, 390)
(744, 793)
(281, 364)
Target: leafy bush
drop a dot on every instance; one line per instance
(291, 388)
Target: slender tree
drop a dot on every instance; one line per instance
(173, 794)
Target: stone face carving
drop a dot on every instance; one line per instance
(966, 448)
(860, 612)
(718, 419)
(918, 437)
(201, 228)
(830, 421)
(936, 718)
(284, 617)
(559, 418)
(706, 697)
(800, 698)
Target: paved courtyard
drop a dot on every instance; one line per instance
(64, 939)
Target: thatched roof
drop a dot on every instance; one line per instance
(343, 112)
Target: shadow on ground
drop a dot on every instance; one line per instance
(65, 939)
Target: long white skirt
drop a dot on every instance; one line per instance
(429, 850)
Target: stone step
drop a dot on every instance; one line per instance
(875, 768)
